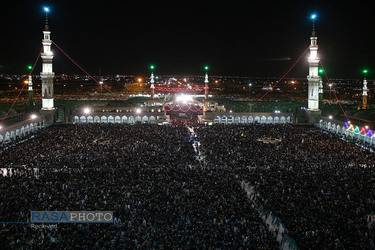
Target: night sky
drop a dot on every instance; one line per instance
(246, 38)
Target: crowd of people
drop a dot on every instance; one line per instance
(179, 186)
(148, 175)
(320, 187)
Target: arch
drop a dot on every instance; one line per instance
(152, 119)
(217, 119)
(138, 119)
(13, 135)
(251, 119)
(7, 136)
(31, 127)
(270, 119)
(90, 119)
(23, 131)
(110, 119)
(230, 119)
(76, 119)
(263, 119)
(276, 119)
(329, 126)
(224, 119)
(321, 124)
(145, 119)
(333, 128)
(257, 119)
(117, 119)
(131, 119)
(288, 119)
(237, 119)
(96, 119)
(1, 138)
(338, 129)
(124, 119)
(82, 119)
(282, 119)
(18, 133)
(103, 119)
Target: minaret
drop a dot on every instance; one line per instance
(364, 95)
(206, 84)
(30, 101)
(152, 81)
(47, 74)
(313, 77)
(320, 92)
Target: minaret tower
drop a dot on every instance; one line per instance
(313, 77)
(47, 74)
(30, 101)
(206, 84)
(320, 92)
(364, 92)
(152, 81)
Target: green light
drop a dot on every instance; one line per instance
(364, 71)
(206, 67)
(152, 67)
(321, 70)
(30, 67)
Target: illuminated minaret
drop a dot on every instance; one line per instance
(320, 92)
(47, 74)
(152, 81)
(206, 84)
(313, 77)
(364, 92)
(30, 101)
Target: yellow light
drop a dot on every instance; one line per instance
(26, 81)
(139, 79)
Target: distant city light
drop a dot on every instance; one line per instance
(313, 16)
(33, 116)
(46, 9)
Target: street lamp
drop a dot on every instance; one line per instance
(250, 87)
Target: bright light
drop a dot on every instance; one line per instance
(1, 127)
(365, 71)
(330, 84)
(26, 81)
(46, 9)
(330, 117)
(313, 16)
(138, 111)
(86, 110)
(184, 98)
(152, 67)
(101, 82)
(250, 85)
(33, 116)
(30, 67)
(321, 70)
(206, 67)
(366, 127)
(139, 79)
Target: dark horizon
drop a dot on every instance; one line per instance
(240, 38)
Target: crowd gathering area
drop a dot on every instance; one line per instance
(181, 186)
